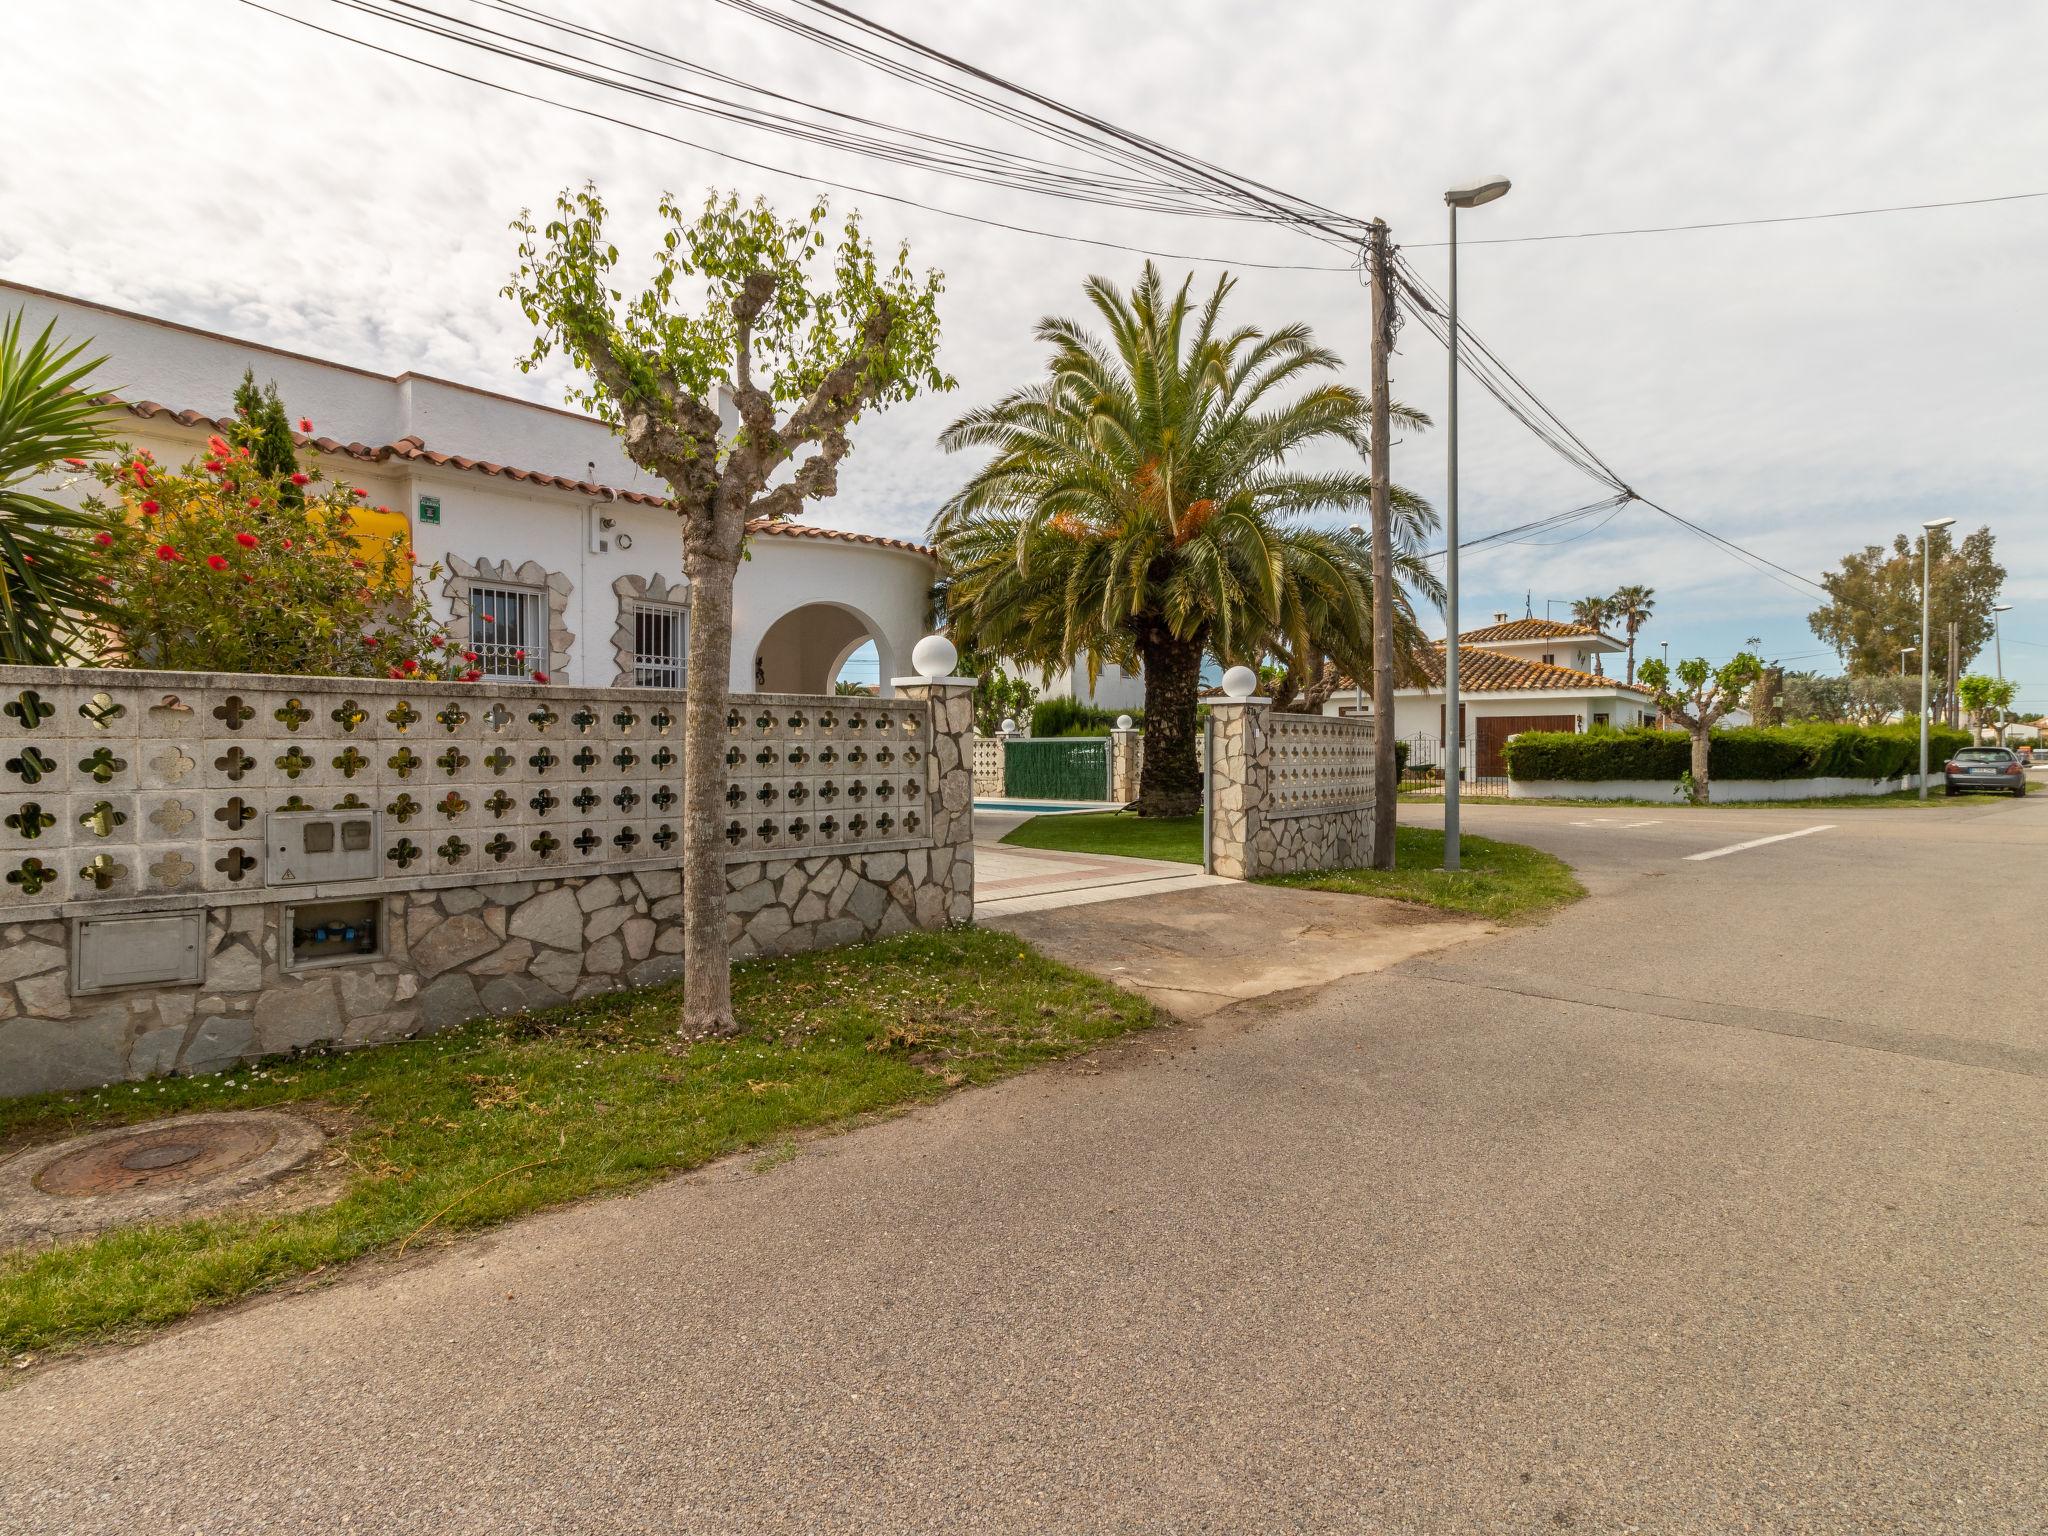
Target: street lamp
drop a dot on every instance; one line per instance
(1927, 532)
(1998, 644)
(1458, 197)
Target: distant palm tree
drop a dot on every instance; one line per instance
(1633, 607)
(1143, 507)
(1593, 612)
(50, 599)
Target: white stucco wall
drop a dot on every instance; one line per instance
(1115, 689)
(886, 589)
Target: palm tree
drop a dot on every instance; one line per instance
(1143, 507)
(50, 598)
(1593, 612)
(1633, 607)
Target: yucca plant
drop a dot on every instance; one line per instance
(51, 600)
(1145, 505)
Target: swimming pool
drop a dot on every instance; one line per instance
(1039, 807)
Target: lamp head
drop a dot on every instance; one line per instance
(1939, 522)
(1484, 191)
(2001, 607)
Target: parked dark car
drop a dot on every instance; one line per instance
(1980, 769)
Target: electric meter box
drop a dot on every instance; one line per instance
(308, 847)
(167, 949)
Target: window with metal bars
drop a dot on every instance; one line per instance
(508, 630)
(661, 652)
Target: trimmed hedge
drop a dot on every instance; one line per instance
(1747, 752)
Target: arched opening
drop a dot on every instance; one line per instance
(808, 648)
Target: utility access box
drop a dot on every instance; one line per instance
(312, 846)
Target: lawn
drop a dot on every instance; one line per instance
(1506, 882)
(472, 1127)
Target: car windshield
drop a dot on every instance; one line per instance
(1983, 755)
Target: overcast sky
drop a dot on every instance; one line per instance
(1803, 388)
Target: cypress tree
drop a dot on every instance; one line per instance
(266, 431)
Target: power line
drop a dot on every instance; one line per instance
(1786, 218)
(775, 170)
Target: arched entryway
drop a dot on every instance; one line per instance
(804, 650)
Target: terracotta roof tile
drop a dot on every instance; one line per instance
(1484, 671)
(1529, 629)
(413, 450)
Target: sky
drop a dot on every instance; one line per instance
(1801, 388)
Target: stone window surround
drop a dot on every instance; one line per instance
(634, 590)
(502, 573)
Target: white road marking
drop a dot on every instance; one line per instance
(1653, 822)
(1758, 842)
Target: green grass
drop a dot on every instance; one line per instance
(1505, 882)
(473, 1127)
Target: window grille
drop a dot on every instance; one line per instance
(508, 630)
(661, 652)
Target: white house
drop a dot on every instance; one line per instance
(1514, 675)
(535, 515)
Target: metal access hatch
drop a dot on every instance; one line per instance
(310, 846)
(148, 949)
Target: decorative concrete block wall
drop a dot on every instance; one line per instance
(527, 844)
(988, 766)
(1288, 792)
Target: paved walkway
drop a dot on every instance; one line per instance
(1718, 1204)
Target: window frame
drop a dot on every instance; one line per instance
(673, 616)
(487, 609)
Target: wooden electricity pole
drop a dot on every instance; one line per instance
(1386, 776)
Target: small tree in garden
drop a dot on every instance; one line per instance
(262, 427)
(1988, 699)
(1697, 695)
(777, 314)
(215, 567)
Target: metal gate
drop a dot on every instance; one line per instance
(1057, 768)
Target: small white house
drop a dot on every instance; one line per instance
(536, 517)
(1514, 675)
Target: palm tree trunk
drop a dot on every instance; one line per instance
(1170, 783)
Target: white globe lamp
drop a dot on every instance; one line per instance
(1240, 682)
(934, 657)
(1123, 722)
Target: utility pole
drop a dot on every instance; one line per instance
(1386, 773)
(1954, 714)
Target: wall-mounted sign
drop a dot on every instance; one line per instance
(430, 509)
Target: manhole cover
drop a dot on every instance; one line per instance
(150, 1172)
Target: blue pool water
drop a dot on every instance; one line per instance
(1036, 806)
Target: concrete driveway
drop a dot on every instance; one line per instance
(1715, 1205)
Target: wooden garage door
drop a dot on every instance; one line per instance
(1494, 730)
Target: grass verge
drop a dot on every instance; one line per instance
(1898, 800)
(1505, 882)
(481, 1124)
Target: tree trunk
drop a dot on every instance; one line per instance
(707, 953)
(1170, 783)
(1702, 740)
(1631, 656)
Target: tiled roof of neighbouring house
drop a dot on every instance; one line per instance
(413, 450)
(1484, 671)
(1532, 629)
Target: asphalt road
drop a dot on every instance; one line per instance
(1716, 1205)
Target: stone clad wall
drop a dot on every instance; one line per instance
(529, 844)
(1288, 792)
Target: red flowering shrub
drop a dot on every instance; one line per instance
(225, 568)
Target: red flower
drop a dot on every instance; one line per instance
(218, 445)
(246, 540)
(76, 463)
(150, 509)
(103, 539)
(358, 492)
(248, 580)
(167, 554)
(469, 655)
(287, 543)
(359, 565)
(394, 672)
(214, 465)
(438, 640)
(140, 471)
(255, 501)
(472, 676)
(540, 677)
(487, 618)
(216, 562)
(305, 424)
(519, 655)
(409, 665)
(302, 479)
(369, 639)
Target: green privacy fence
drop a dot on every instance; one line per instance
(1069, 768)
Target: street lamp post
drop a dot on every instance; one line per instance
(1458, 197)
(1927, 531)
(1998, 650)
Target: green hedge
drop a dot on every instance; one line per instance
(1070, 717)
(1748, 752)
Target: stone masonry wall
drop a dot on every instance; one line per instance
(101, 823)
(1288, 792)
